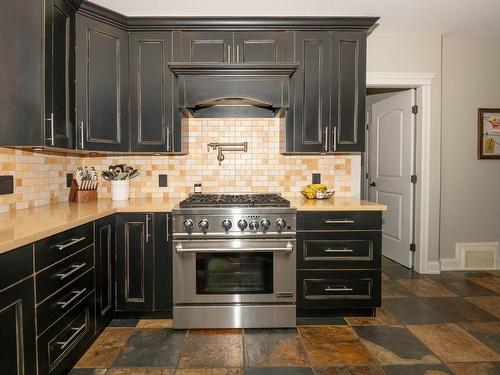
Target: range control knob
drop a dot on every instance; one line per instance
(188, 225)
(265, 224)
(253, 225)
(203, 225)
(280, 225)
(242, 224)
(226, 225)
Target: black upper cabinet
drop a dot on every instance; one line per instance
(348, 91)
(204, 46)
(263, 46)
(134, 262)
(59, 128)
(102, 86)
(153, 116)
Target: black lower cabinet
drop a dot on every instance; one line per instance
(104, 270)
(17, 334)
(134, 262)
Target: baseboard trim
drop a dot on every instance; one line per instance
(433, 267)
(457, 262)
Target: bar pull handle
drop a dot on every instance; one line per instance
(325, 146)
(237, 53)
(334, 138)
(51, 119)
(69, 243)
(76, 295)
(74, 268)
(148, 235)
(167, 231)
(168, 139)
(229, 53)
(333, 289)
(82, 145)
(78, 330)
(345, 221)
(344, 250)
(287, 249)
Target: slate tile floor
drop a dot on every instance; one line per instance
(428, 324)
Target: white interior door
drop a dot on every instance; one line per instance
(391, 164)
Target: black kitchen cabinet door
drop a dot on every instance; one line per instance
(104, 270)
(263, 46)
(59, 128)
(101, 86)
(205, 46)
(348, 91)
(308, 122)
(134, 262)
(18, 336)
(152, 91)
(163, 261)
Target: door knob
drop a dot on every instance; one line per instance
(373, 184)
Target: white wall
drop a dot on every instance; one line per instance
(470, 199)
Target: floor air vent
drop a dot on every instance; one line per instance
(478, 256)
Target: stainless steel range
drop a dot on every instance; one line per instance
(234, 261)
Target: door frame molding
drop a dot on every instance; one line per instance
(423, 83)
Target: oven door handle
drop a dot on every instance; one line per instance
(287, 249)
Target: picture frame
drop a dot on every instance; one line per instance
(488, 134)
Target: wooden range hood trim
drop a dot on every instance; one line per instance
(228, 69)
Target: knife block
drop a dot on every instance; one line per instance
(81, 196)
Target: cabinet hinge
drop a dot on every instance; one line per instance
(413, 247)
(414, 109)
(413, 178)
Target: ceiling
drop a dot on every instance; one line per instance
(468, 18)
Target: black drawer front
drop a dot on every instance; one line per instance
(339, 220)
(63, 273)
(344, 250)
(15, 265)
(338, 289)
(62, 245)
(62, 344)
(64, 300)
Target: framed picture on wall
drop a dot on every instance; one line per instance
(488, 135)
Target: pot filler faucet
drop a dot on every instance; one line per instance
(221, 147)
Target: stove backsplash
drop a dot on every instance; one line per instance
(41, 179)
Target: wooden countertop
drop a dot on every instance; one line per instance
(22, 227)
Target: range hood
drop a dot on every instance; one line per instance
(233, 90)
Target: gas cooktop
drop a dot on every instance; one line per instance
(234, 200)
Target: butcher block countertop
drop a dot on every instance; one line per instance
(22, 227)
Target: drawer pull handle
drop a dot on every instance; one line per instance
(344, 250)
(74, 268)
(76, 294)
(71, 242)
(346, 221)
(343, 289)
(78, 330)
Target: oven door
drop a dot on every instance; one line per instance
(234, 271)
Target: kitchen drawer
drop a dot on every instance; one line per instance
(15, 265)
(338, 289)
(63, 273)
(62, 245)
(339, 250)
(339, 220)
(58, 304)
(64, 342)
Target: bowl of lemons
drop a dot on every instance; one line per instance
(317, 191)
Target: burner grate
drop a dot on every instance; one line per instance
(235, 200)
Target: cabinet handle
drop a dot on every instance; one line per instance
(229, 53)
(325, 146)
(346, 221)
(344, 250)
(82, 146)
(77, 293)
(78, 330)
(334, 138)
(238, 53)
(167, 219)
(51, 119)
(65, 245)
(147, 228)
(168, 139)
(74, 268)
(333, 289)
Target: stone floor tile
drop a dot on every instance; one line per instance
(334, 346)
(425, 288)
(482, 368)
(486, 332)
(453, 344)
(87, 371)
(210, 371)
(274, 347)
(123, 323)
(320, 321)
(399, 272)
(489, 282)
(395, 345)
(279, 371)
(413, 311)
(212, 348)
(463, 287)
(438, 369)
(140, 371)
(490, 304)
(391, 289)
(382, 317)
(155, 323)
(349, 370)
(457, 309)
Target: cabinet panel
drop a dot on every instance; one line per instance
(348, 90)
(263, 46)
(135, 262)
(205, 46)
(151, 83)
(163, 261)
(102, 80)
(15, 265)
(17, 319)
(104, 270)
(339, 220)
(311, 115)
